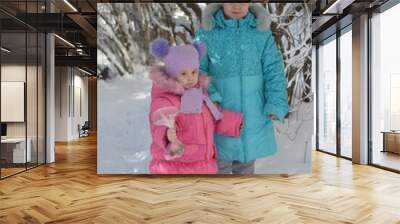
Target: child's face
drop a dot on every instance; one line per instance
(188, 78)
(236, 10)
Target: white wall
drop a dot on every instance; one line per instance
(33, 126)
(61, 103)
(70, 82)
(12, 73)
(17, 73)
(80, 83)
(12, 101)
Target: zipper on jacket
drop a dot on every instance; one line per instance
(243, 137)
(241, 104)
(205, 128)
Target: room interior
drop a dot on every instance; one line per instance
(52, 90)
(22, 101)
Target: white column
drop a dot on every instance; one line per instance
(360, 90)
(314, 90)
(50, 110)
(50, 92)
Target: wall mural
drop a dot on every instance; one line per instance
(125, 31)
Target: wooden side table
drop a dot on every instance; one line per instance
(391, 141)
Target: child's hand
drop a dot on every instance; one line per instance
(272, 117)
(171, 135)
(176, 149)
(241, 126)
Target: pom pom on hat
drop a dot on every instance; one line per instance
(177, 58)
(159, 48)
(201, 48)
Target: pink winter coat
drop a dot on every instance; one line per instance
(195, 130)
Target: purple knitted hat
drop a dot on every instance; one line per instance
(177, 58)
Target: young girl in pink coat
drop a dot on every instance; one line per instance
(187, 145)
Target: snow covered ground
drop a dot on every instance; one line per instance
(123, 127)
(124, 136)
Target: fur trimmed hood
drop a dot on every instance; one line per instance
(263, 19)
(171, 85)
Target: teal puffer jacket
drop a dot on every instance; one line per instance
(247, 76)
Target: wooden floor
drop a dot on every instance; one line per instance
(70, 191)
(387, 159)
(5, 172)
(9, 171)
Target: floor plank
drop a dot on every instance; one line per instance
(70, 191)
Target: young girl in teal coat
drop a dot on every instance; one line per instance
(248, 76)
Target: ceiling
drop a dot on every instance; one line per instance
(74, 22)
(332, 15)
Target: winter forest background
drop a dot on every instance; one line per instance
(124, 33)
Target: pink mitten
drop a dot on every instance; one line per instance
(166, 117)
(174, 150)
